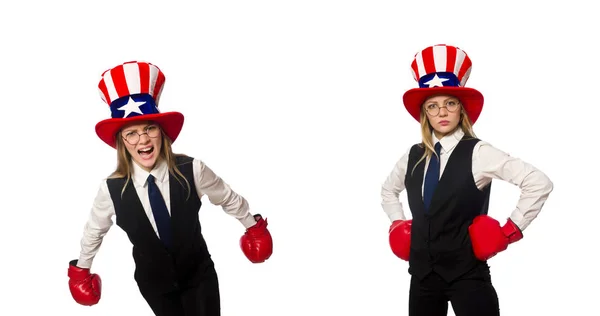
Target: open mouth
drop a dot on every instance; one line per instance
(146, 152)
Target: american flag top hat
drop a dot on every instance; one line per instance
(442, 69)
(132, 91)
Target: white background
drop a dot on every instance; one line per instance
(298, 106)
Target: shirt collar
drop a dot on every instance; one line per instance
(140, 176)
(449, 141)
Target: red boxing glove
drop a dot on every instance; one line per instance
(85, 287)
(488, 238)
(256, 243)
(400, 238)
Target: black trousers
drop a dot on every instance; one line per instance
(471, 295)
(203, 300)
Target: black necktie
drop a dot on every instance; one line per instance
(432, 177)
(160, 212)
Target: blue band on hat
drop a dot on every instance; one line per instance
(447, 79)
(132, 105)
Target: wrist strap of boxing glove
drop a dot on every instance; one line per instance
(512, 231)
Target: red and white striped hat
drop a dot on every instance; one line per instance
(132, 91)
(442, 69)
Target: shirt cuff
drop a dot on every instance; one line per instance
(84, 263)
(248, 220)
(519, 220)
(394, 212)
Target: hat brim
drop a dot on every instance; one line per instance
(170, 122)
(471, 99)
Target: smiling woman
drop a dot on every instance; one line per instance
(155, 196)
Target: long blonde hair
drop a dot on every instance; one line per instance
(426, 130)
(124, 161)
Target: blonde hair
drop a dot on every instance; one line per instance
(426, 130)
(124, 161)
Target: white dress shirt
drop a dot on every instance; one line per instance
(488, 163)
(206, 181)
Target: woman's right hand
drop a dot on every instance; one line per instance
(399, 238)
(84, 286)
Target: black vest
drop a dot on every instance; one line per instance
(158, 269)
(440, 238)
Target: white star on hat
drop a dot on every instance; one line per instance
(436, 81)
(132, 106)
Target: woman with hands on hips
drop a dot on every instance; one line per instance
(447, 177)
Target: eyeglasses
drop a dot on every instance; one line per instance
(433, 109)
(133, 137)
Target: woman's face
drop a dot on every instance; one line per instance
(443, 113)
(143, 142)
